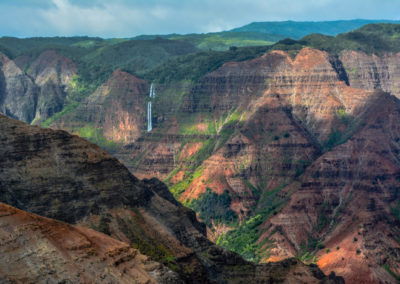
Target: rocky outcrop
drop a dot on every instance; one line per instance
(276, 121)
(281, 134)
(371, 72)
(53, 73)
(311, 83)
(18, 94)
(41, 92)
(55, 174)
(117, 107)
(253, 155)
(345, 201)
(273, 115)
(50, 66)
(35, 249)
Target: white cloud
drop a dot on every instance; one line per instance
(126, 18)
(70, 19)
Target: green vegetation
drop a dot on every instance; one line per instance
(220, 41)
(97, 58)
(307, 257)
(333, 139)
(309, 249)
(297, 30)
(95, 135)
(192, 67)
(373, 38)
(204, 152)
(18, 46)
(178, 188)
(213, 207)
(228, 126)
(188, 124)
(396, 210)
(67, 109)
(141, 241)
(243, 239)
(133, 56)
(225, 40)
(323, 220)
(394, 275)
(343, 116)
(104, 225)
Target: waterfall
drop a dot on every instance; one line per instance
(152, 91)
(149, 123)
(151, 95)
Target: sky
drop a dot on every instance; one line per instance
(127, 18)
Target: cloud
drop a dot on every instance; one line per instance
(126, 18)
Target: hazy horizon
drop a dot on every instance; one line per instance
(124, 18)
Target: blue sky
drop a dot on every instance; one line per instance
(126, 18)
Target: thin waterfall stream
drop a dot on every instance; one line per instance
(151, 95)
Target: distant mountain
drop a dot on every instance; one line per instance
(220, 41)
(297, 30)
(264, 33)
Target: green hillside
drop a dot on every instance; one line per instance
(222, 41)
(372, 38)
(297, 30)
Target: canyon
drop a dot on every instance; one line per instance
(287, 156)
(148, 237)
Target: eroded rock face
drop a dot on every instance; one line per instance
(254, 155)
(54, 67)
(18, 94)
(345, 200)
(254, 128)
(308, 91)
(372, 72)
(312, 84)
(42, 250)
(117, 107)
(41, 93)
(55, 174)
(53, 74)
(283, 116)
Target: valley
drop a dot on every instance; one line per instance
(286, 153)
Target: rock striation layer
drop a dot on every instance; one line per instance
(35, 249)
(117, 108)
(58, 175)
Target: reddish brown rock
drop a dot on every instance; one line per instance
(50, 66)
(347, 195)
(60, 175)
(37, 249)
(372, 72)
(117, 108)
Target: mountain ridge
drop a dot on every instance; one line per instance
(88, 187)
(251, 132)
(299, 29)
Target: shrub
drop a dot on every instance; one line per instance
(212, 206)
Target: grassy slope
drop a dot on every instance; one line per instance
(222, 41)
